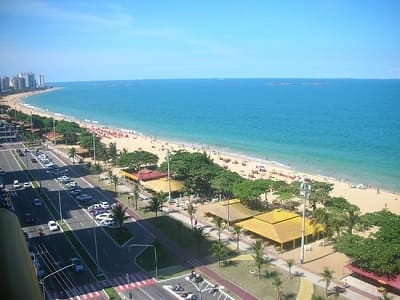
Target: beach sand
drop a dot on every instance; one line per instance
(368, 199)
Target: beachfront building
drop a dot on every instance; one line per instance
(40, 81)
(231, 211)
(282, 228)
(153, 180)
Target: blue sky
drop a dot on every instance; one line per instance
(96, 40)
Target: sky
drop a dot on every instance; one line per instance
(121, 40)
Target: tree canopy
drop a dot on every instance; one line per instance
(136, 160)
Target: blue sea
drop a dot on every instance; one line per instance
(343, 128)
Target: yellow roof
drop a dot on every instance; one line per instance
(276, 216)
(281, 232)
(237, 211)
(161, 185)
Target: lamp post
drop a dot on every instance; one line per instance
(215, 288)
(95, 246)
(155, 253)
(305, 190)
(169, 178)
(54, 131)
(51, 274)
(94, 150)
(59, 204)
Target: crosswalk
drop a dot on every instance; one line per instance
(95, 290)
(194, 262)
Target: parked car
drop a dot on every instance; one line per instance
(71, 184)
(105, 204)
(78, 266)
(75, 192)
(63, 178)
(33, 160)
(27, 185)
(2, 172)
(103, 216)
(95, 213)
(53, 226)
(16, 184)
(28, 218)
(37, 202)
(95, 206)
(84, 197)
(108, 223)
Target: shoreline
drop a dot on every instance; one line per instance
(367, 199)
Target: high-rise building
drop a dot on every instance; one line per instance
(5, 83)
(40, 81)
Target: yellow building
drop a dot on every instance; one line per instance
(281, 227)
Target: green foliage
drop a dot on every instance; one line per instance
(277, 283)
(327, 276)
(250, 191)
(137, 159)
(378, 253)
(156, 203)
(113, 153)
(219, 225)
(319, 193)
(224, 182)
(69, 130)
(218, 250)
(258, 255)
(119, 216)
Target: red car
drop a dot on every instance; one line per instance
(28, 218)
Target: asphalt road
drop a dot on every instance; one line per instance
(53, 247)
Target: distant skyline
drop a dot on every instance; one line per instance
(121, 40)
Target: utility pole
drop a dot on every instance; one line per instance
(304, 191)
(169, 179)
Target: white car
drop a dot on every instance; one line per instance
(27, 184)
(63, 178)
(105, 205)
(53, 226)
(94, 206)
(108, 223)
(71, 184)
(104, 216)
(16, 184)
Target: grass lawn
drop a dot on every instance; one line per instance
(120, 236)
(241, 269)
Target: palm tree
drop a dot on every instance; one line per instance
(191, 209)
(258, 255)
(219, 224)
(112, 152)
(327, 276)
(110, 175)
(156, 202)
(135, 193)
(114, 180)
(72, 154)
(351, 218)
(199, 236)
(289, 263)
(277, 283)
(237, 232)
(218, 251)
(119, 216)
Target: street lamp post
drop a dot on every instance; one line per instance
(155, 253)
(59, 204)
(54, 131)
(304, 191)
(95, 246)
(51, 274)
(169, 178)
(94, 150)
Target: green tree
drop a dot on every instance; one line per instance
(136, 160)
(289, 264)
(113, 153)
(224, 182)
(199, 237)
(135, 194)
(250, 191)
(219, 226)
(327, 276)
(258, 255)
(119, 215)
(156, 202)
(110, 175)
(237, 231)
(72, 154)
(218, 250)
(319, 193)
(277, 283)
(191, 209)
(114, 180)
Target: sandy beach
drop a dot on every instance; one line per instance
(369, 199)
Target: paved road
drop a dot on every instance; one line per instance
(114, 261)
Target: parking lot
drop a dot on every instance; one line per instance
(194, 288)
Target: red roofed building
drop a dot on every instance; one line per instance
(143, 175)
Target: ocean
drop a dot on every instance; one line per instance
(343, 128)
